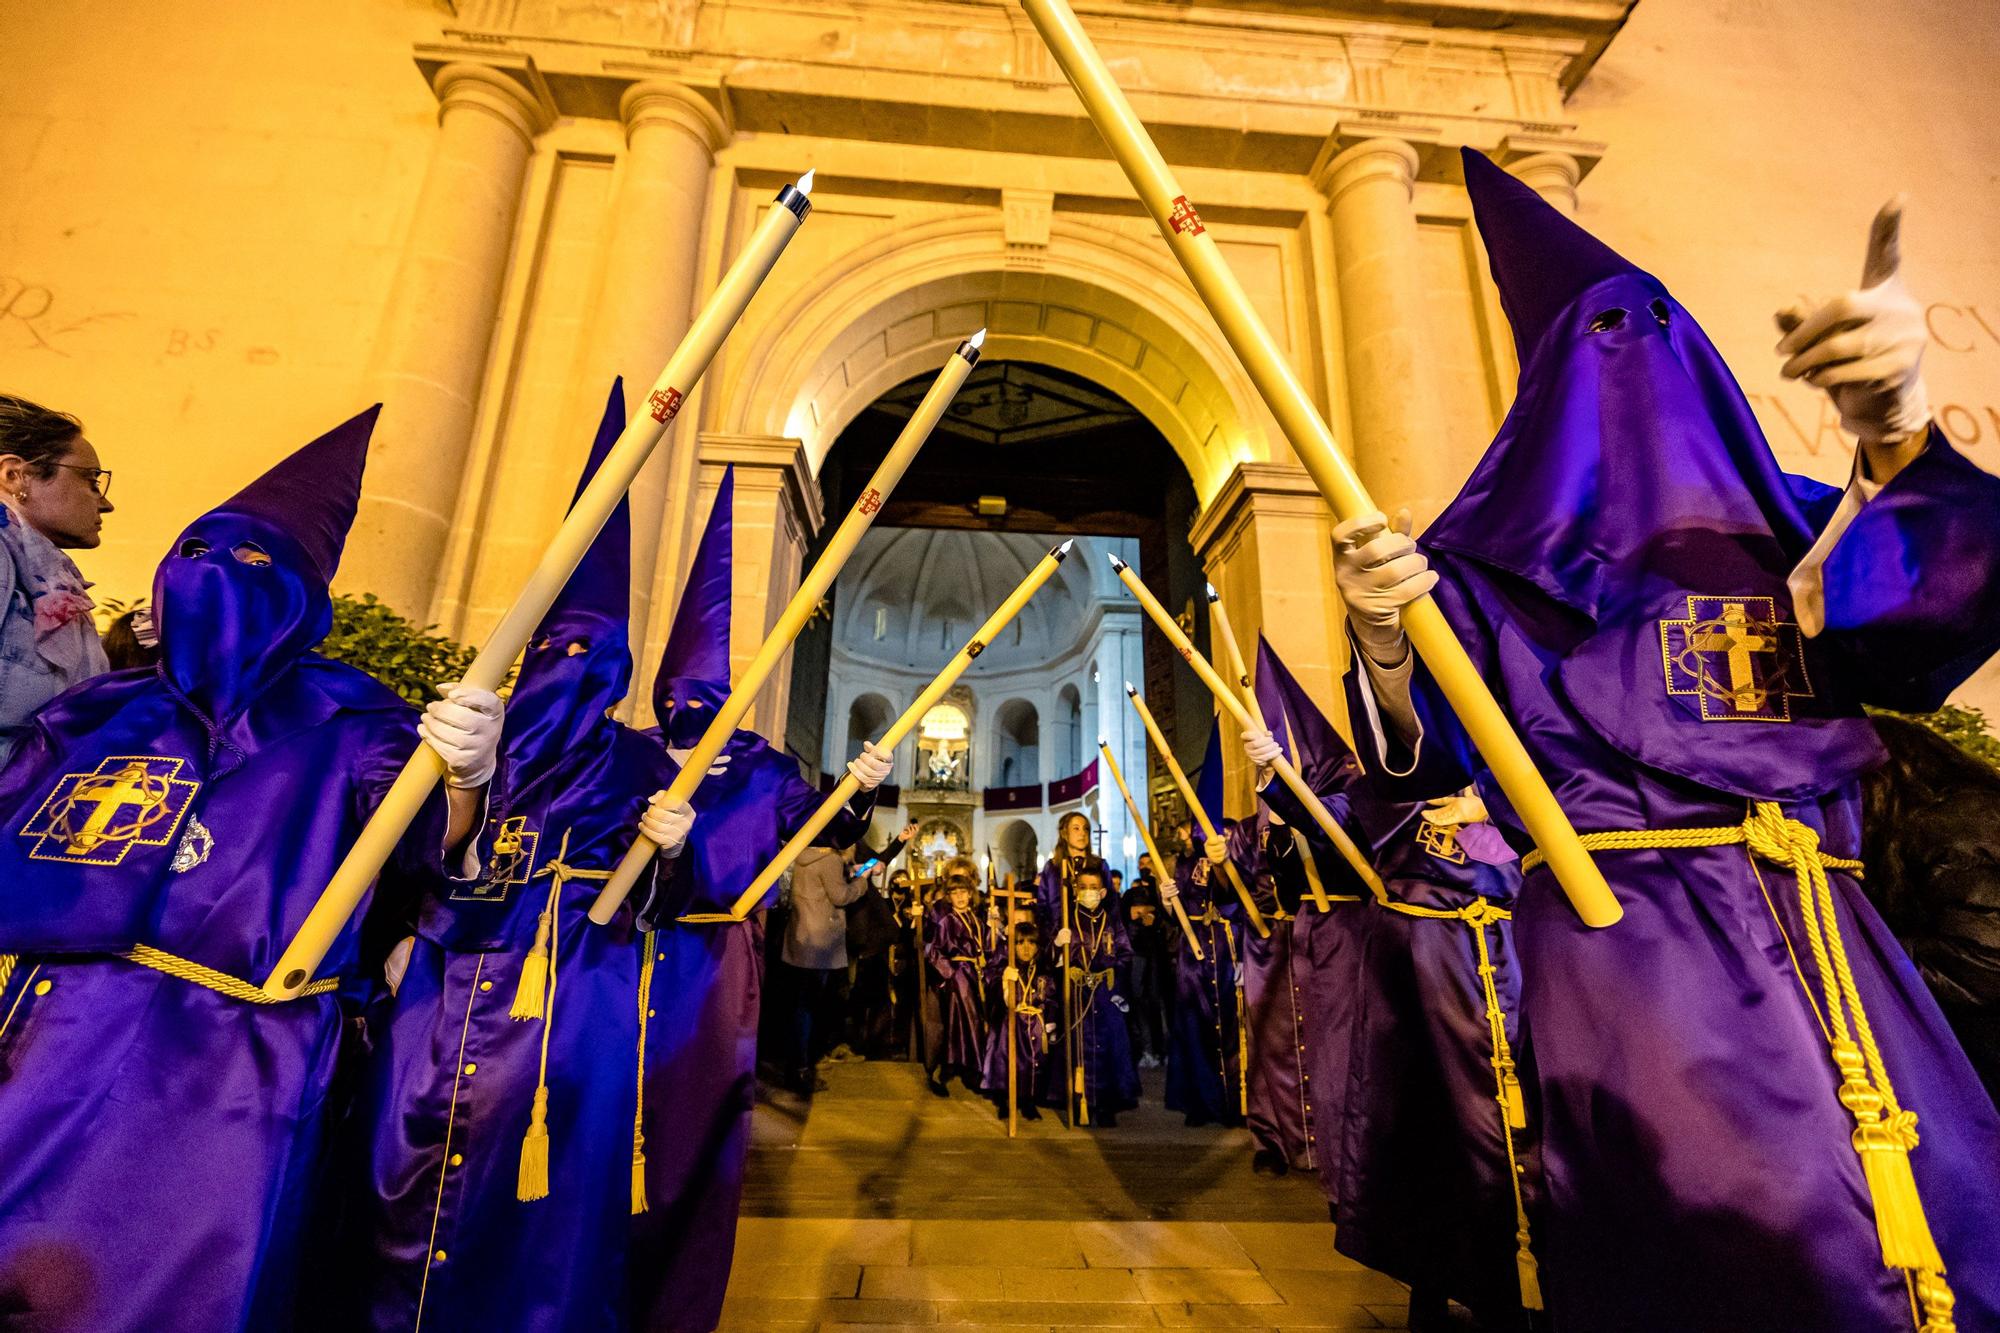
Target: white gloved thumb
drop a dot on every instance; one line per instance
(1262, 748)
(665, 825)
(464, 729)
(871, 768)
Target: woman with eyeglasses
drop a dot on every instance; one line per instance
(53, 498)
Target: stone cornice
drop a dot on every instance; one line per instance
(970, 76)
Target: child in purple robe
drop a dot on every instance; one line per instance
(1072, 856)
(1022, 988)
(955, 952)
(166, 832)
(701, 982)
(1097, 1059)
(509, 1051)
(1754, 1116)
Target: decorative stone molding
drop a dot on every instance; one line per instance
(776, 462)
(1253, 491)
(510, 89)
(1025, 219)
(1364, 150)
(668, 103)
(1550, 165)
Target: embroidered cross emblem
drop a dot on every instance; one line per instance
(1441, 841)
(666, 404)
(1184, 219)
(1736, 657)
(513, 863)
(96, 818)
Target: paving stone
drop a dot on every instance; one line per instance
(778, 1309)
(1292, 1245)
(811, 1240)
(797, 1281)
(1161, 1245)
(935, 1282)
(1315, 1288)
(1206, 1286)
(1069, 1284)
(1056, 1314)
(1015, 1244)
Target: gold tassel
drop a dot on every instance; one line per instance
(528, 995)
(1884, 1145)
(1530, 1274)
(638, 1180)
(1937, 1302)
(1510, 1097)
(533, 1182)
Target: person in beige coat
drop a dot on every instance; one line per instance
(815, 948)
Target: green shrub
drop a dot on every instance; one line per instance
(1966, 728)
(410, 659)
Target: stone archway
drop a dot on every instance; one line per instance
(1094, 303)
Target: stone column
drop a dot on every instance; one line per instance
(1552, 175)
(430, 355)
(647, 298)
(778, 512)
(1398, 444)
(1266, 541)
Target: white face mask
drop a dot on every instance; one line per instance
(1088, 899)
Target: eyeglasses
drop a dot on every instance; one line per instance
(98, 478)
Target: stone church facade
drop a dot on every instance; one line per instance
(479, 212)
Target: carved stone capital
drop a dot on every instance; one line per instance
(664, 102)
(464, 85)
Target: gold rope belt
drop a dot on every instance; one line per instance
(1884, 1132)
(173, 965)
(1476, 917)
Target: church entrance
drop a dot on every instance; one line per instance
(872, 1199)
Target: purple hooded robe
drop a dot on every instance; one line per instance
(450, 1088)
(1617, 567)
(167, 831)
(705, 981)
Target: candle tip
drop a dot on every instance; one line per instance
(1116, 563)
(1102, 744)
(1130, 690)
(977, 340)
(1213, 595)
(1063, 550)
(805, 185)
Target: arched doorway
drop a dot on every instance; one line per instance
(1028, 454)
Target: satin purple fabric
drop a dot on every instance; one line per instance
(1204, 1064)
(1698, 1166)
(1035, 1031)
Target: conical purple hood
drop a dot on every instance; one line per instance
(602, 583)
(1208, 778)
(1541, 261)
(697, 651)
(579, 664)
(311, 495)
(1303, 731)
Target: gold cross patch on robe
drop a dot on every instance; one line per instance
(513, 863)
(97, 818)
(1736, 658)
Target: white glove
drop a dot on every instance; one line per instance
(1262, 748)
(871, 768)
(666, 826)
(993, 916)
(1170, 894)
(1216, 849)
(1866, 347)
(1012, 976)
(1121, 1004)
(1379, 571)
(464, 729)
(1063, 938)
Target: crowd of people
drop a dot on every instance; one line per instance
(1740, 1107)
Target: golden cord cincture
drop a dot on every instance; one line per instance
(1885, 1132)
